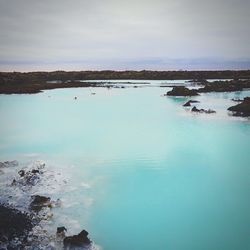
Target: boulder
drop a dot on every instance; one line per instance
(241, 109)
(80, 240)
(182, 91)
(194, 109)
(21, 173)
(206, 111)
(39, 202)
(188, 103)
(60, 232)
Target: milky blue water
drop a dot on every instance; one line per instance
(143, 172)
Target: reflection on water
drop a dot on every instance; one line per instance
(142, 172)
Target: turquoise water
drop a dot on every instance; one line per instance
(142, 171)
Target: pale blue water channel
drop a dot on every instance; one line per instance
(142, 172)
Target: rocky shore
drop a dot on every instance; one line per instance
(14, 227)
(241, 109)
(21, 221)
(34, 88)
(216, 86)
(35, 82)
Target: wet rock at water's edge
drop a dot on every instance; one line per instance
(182, 91)
(188, 103)
(241, 109)
(13, 225)
(206, 111)
(79, 240)
(39, 202)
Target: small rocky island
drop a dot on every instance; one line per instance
(241, 109)
(182, 91)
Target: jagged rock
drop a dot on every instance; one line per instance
(13, 223)
(61, 229)
(21, 173)
(225, 86)
(60, 232)
(241, 109)
(194, 109)
(79, 240)
(209, 111)
(188, 103)
(182, 91)
(39, 202)
(35, 171)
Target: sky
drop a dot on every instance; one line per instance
(49, 35)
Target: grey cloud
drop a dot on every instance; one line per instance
(106, 33)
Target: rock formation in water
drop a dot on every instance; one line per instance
(241, 109)
(188, 103)
(225, 86)
(79, 240)
(206, 111)
(14, 225)
(182, 91)
(39, 202)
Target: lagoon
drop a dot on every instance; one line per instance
(141, 171)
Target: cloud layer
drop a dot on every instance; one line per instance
(115, 34)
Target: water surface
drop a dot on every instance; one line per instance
(142, 172)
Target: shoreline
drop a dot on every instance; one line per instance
(36, 82)
(25, 218)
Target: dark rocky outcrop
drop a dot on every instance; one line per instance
(225, 86)
(188, 103)
(35, 82)
(241, 109)
(182, 91)
(13, 224)
(39, 202)
(21, 173)
(208, 111)
(61, 230)
(24, 230)
(80, 240)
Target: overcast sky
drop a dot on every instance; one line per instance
(131, 34)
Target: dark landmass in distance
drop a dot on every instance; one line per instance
(35, 82)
